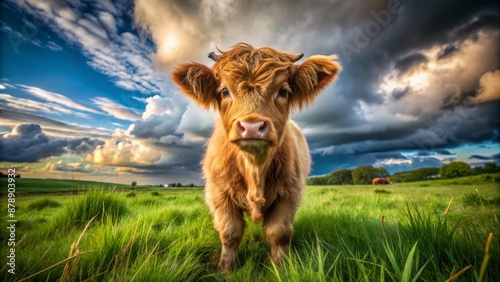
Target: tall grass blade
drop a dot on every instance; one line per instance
(456, 275)
(419, 272)
(382, 274)
(409, 264)
(54, 265)
(449, 205)
(392, 260)
(486, 258)
(145, 261)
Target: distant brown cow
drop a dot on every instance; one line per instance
(257, 159)
(381, 181)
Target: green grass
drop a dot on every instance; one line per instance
(34, 185)
(43, 203)
(96, 203)
(169, 236)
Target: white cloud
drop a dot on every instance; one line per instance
(437, 82)
(14, 115)
(123, 58)
(159, 105)
(59, 99)
(140, 156)
(489, 87)
(107, 5)
(108, 21)
(196, 124)
(123, 150)
(115, 109)
(60, 165)
(27, 105)
(27, 143)
(53, 46)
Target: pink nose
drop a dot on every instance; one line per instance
(249, 130)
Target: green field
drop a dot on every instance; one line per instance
(167, 235)
(35, 185)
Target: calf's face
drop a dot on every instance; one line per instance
(254, 90)
(254, 112)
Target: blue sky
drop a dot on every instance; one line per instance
(85, 90)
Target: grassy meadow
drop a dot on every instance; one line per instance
(37, 186)
(167, 235)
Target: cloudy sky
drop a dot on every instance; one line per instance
(85, 90)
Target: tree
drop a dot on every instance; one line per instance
(340, 177)
(317, 180)
(490, 167)
(382, 172)
(134, 183)
(423, 173)
(179, 184)
(364, 174)
(455, 169)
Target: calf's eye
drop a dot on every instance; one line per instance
(283, 93)
(225, 92)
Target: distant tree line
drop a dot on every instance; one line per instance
(180, 185)
(458, 169)
(360, 175)
(365, 174)
(419, 174)
(171, 185)
(5, 175)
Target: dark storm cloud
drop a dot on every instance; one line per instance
(398, 46)
(425, 153)
(423, 24)
(55, 127)
(461, 126)
(27, 143)
(429, 137)
(418, 26)
(399, 94)
(373, 135)
(487, 20)
(353, 122)
(447, 51)
(156, 127)
(28, 131)
(434, 152)
(443, 152)
(410, 61)
(485, 158)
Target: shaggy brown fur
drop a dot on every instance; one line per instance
(381, 180)
(263, 176)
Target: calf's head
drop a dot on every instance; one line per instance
(254, 90)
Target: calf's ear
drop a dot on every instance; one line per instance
(197, 82)
(311, 77)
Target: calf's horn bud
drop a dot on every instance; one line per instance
(297, 57)
(212, 56)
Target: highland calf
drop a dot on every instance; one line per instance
(257, 159)
(380, 180)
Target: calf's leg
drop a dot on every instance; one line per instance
(278, 228)
(228, 220)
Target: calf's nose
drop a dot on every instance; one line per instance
(255, 129)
